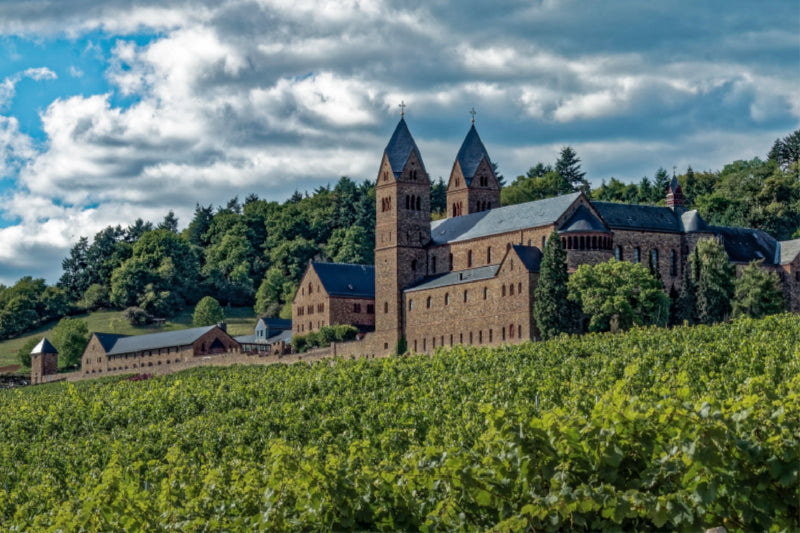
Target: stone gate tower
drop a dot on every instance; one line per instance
(402, 229)
(44, 361)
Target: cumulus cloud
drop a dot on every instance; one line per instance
(237, 96)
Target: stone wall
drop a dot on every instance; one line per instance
(43, 367)
(359, 312)
(311, 305)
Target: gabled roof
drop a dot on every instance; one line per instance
(346, 280)
(583, 220)
(400, 147)
(455, 278)
(471, 153)
(501, 219)
(275, 323)
(154, 341)
(107, 340)
(744, 244)
(691, 221)
(638, 217)
(674, 184)
(530, 256)
(283, 336)
(44, 346)
(789, 250)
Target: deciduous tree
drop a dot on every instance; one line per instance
(757, 293)
(207, 312)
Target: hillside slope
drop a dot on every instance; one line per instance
(653, 429)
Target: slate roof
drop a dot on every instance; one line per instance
(346, 280)
(789, 250)
(470, 155)
(456, 278)
(744, 244)
(583, 220)
(692, 221)
(638, 217)
(44, 346)
(276, 323)
(249, 339)
(285, 336)
(501, 219)
(154, 341)
(107, 340)
(530, 256)
(400, 146)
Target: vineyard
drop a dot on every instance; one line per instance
(654, 429)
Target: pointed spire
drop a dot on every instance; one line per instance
(471, 153)
(43, 346)
(400, 147)
(675, 198)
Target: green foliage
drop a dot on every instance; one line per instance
(208, 312)
(402, 346)
(758, 293)
(70, 337)
(136, 316)
(350, 245)
(714, 280)
(786, 151)
(652, 430)
(568, 167)
(24, 353)
(227, 266)
(684, 310)
(95, 297)
(323, 337)
(553, 312)
(617, 295)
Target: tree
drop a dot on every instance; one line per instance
(228, 267)
(684, 307)
(208, 312)
(714, 281)
(660, 184)
(170, 222)
(24, 353)
(96, 296)
(74, 279)
(758, 293)
(552, 309)
(70, 337)
(439, 197)
(195, 233)
(350, 246)
(568, 167)
(617, 295)
(271, 292)
(786, 151)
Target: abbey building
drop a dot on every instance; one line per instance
(470, 278)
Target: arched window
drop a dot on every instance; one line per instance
(414, 265)
(310, 288)
(485, 292)
(408, 201)
(673, 263)
(433, 265)
(618, 253)
(428, 302)
(594, 242)
(511, 290)
(418, 203)
(447, 298)
(450, 261)
(455, 213)
(654, 260)
(469, 258)
(385, 307)
(511, 330)
(410, 305)
(544, 241)
(636, 255)
(466, 295)
(519, 288)
(488, 255)
(503, 293)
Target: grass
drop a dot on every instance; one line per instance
(240, 321)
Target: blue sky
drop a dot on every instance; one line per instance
(115, 110)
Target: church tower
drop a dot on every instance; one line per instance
(675, 199)
(402, 229)
(473, 186)
(44, 361)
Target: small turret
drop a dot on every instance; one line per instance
(473, 186)
(44, 361)
(675, 199)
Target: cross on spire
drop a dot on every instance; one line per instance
(402, 107)
(473, 113)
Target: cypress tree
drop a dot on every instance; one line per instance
(685, 305)
(715, 277)
(552, 311)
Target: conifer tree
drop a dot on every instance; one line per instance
(714, 281)
(758, 293)
(684, 310)
(553, 312)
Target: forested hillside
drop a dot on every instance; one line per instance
(653, 429)
(252, 253)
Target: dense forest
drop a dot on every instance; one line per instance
(252, 253)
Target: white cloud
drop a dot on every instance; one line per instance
(8, 87)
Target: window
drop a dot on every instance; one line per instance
(469, 258)
(480, 337)
(636, 255)
(428, 302)
(504, 291)
(320, 308)
(618, 253)
(488, 255)
(490, 335)
(310, 288)
(544, 241)
(673, 263)
(519, 331)
(470, 337)
(485, 293)
(385, 307)
(519, 288)
(466, 295)
(654, 260)
(419, 208)
(447, 298)
(511, 330)
(414, 265)
(511, 290)
(411, 305)
(451, 339)
(433, 265)
(356, 308)
(450, 260)
(370, 309)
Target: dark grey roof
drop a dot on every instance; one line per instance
(638, 217)
(154, 341)
(583, 220)
(249, 339)
(107, 340)
(471, 153)
(455, 278)
(674, 184)
(347, 280)
(400, 146)
(692, 221)
(276, 323)
(744, 244)
(530, 256)
(501, 219)
(789, 250)
(44, 346)
(283, 336)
